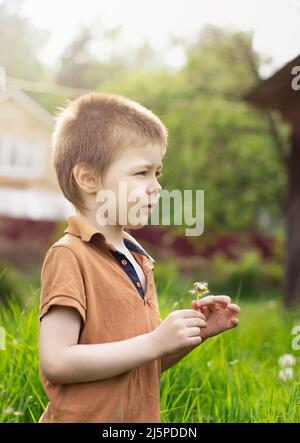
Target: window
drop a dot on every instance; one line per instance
(33, 204)
(21, 157)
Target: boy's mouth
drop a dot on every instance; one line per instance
(149, 207)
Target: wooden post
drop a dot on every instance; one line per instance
(278, 92)
(292, 250)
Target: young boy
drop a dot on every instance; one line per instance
(102, 343)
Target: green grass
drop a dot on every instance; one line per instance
(230, 378)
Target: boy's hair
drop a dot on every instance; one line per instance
(93, 129)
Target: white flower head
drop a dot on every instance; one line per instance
(286, 360)
(200, 289)
(286, 374)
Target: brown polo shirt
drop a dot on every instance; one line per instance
(84, 271)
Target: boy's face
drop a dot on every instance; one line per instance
(133, 178)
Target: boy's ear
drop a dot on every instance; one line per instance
(87, 178)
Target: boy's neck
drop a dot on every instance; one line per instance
(113, 233)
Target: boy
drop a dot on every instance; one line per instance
(102, 344)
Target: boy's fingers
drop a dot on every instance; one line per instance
(192, 313)
(202, 309)
(235, 322)
(224, 299)
(234, 308)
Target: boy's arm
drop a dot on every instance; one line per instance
(64, 361)
(170, 360)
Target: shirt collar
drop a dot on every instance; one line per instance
(80, 227)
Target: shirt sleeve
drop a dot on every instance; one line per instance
(156, 303)
(62, 282)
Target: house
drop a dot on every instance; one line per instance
(31, 202)
(28, 184)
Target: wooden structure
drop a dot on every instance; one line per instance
(281, 92)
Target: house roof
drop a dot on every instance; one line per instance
(276, 91)
(28, 104)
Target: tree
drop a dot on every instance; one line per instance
(82, 66)
(277, 93)
(20, 43)
(216, 141)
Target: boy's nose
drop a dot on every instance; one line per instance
(156, 187)
(154, 192)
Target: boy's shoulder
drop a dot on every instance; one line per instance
(80, 233)
(68, 241)
(67, 244)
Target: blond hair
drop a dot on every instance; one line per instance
(93, 129)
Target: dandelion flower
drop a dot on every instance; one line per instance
(286, 360)
(286, 374)
(200, 289)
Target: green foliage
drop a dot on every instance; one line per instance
(233, 377)
(19, 45)
(255, 275)
(216, 141)
(49, 101)
(165, 272)
(10, 284)
(22, 396)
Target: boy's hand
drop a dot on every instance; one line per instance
(180, 330)
(219, 313)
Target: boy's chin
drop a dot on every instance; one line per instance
(136, 226)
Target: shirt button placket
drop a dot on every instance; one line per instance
(139, 286)
(124, 263)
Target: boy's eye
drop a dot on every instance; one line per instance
(158, 174)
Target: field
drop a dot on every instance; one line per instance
(233, 377)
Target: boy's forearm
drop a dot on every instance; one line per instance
(171, 360)
(85, 363)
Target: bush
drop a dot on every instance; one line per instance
(9, 284)
(165, 273)
(251, 272)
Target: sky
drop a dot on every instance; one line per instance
(275, 23)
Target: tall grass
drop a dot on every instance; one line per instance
(21, 395)
(230, 378)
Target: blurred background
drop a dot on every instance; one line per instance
(219, 75)
(196, 67)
